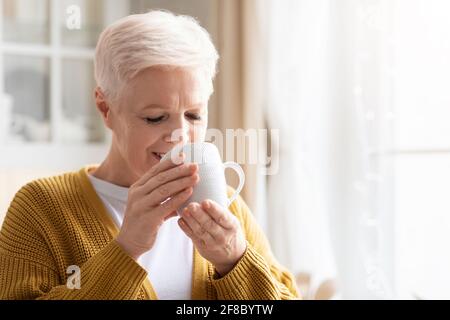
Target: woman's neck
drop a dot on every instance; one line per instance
(115, 170)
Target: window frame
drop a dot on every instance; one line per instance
(56, 53)
(62, 156)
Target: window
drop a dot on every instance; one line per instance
(363, 87)
(422, 153)
(47, 71)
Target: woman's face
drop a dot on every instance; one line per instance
(159, 108)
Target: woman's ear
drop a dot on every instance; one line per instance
(103, 106)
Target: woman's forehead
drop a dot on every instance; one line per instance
(167, 89)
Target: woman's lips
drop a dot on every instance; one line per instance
(158, 155)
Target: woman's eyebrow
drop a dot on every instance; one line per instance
(154, 106)
(159, 106)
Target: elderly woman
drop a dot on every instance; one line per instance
(108, 231)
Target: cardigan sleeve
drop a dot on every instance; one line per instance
(258, 275)
(28, 270)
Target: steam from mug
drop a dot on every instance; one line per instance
(212, 184)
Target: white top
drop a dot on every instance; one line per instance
(169, 262)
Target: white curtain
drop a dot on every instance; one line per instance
(327, 208)
(297, 106)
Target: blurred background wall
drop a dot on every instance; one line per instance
(357, 89)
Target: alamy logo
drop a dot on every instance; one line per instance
(250, 147)
(73, 20)
(74, 280)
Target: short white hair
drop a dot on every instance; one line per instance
(156, 38)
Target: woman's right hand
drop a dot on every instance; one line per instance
(146, 207)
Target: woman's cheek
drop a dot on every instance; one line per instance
(138, 146)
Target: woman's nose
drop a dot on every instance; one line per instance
(179, 133)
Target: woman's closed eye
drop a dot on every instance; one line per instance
(194, 116)
(156, 120)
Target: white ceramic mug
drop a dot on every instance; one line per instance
(212, 184)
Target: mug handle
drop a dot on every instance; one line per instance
(237, 168)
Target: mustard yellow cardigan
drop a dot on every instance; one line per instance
(53, 223)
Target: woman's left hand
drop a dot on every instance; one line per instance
(215, 232)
